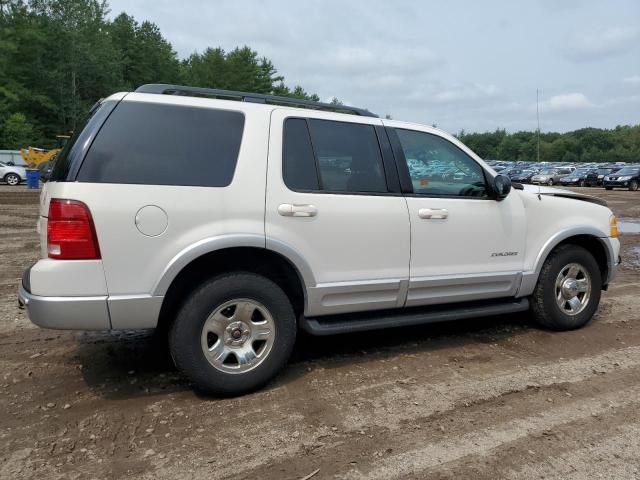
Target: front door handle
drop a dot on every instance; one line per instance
(433, 213)
(293, 210)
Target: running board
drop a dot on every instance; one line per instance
(360, 322)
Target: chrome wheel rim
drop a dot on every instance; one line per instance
(238, 336)
(573, 289)
(12, 180)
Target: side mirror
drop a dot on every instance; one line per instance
(501, 186)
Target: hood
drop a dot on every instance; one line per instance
(559, 192)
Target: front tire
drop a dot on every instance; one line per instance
(608, 188)
(568, 290)
(233, 334)
(550, 182)
(581, 184)
(12, 179)
(633, 186)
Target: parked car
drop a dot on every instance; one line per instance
(596, 178)
(576, 178)
(12, 174)
(547, 177)
(524, 176)
(262, 235)
(626, 177)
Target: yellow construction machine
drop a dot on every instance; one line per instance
(33, 156)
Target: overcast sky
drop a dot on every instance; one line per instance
(459, 64)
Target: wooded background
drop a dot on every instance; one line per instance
(58, 57)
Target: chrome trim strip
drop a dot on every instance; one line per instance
(66, 313)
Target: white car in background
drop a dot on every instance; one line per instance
(12, 174)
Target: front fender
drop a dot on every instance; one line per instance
(530, 277)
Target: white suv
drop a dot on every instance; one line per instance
(230, 224)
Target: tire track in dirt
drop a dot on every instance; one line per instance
(559, 452)
(482, 443)
(348, 443)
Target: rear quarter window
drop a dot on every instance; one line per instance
(159, 144)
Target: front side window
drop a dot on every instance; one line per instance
(333, 157)
(438, 168)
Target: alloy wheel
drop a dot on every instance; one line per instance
(238, 336)
(573, 289)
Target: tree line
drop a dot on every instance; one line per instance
(57, 57)
(620, 144)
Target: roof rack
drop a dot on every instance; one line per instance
(167, 89)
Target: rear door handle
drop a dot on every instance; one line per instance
(433, 213)
(293, 210)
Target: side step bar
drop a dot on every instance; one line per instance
(360, 322)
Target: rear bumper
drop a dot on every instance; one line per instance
(66, 313)
(84, 312)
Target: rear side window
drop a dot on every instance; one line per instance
(69, 157)
(298, 165)
(156, 144)
(330, 156)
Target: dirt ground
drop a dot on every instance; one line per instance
(488, 398)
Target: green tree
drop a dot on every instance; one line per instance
(16, 132)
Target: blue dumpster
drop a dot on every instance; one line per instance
(33, 178)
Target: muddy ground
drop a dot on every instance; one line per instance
(488, 398)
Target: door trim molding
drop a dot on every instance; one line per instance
(355, 296)
(443, 289)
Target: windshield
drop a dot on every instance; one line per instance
(581, 171)
(604, 171)
(547, 172)
(629, 171)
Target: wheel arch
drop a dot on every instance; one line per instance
(194, 265)
(592, 239)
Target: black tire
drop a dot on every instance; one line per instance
(544, 307)
(550, 182)
(12, 179)
(633, 185)
(581, 184)
(186, 331)
(608, 188)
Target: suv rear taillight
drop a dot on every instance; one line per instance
(71, 234)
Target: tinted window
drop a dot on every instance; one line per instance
(298, 164)
(348, 157)
(628, 171)
(74, 148)
(345, 155)
(438, 167)
(157, 144)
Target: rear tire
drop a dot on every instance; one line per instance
(12, 179)
(233, 334)
(568, 290)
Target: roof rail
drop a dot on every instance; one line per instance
(167, 89)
